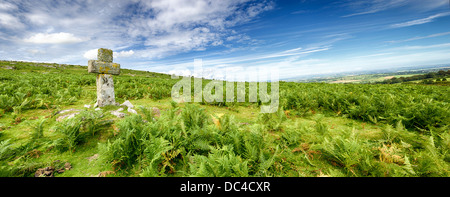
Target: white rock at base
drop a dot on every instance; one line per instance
(132, 111)
(128, 104)
(118, 114)
(67, 116)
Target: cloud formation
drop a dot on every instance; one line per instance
(55, 38)
(420, 21)
(180, 26)
(147, 29)
(365, 7)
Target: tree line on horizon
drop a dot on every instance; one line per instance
(426, 78)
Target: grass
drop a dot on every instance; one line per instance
(212, 140)
(316, 145)
(22, 134)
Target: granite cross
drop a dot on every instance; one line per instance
(105, 68)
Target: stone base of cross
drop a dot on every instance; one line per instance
(105, 69)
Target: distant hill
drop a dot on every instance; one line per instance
(370, 76)
(57, 68)
(439, 77)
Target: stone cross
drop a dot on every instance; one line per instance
(105, 68)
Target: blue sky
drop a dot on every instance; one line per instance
(298, 37)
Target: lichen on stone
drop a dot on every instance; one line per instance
(105, 55)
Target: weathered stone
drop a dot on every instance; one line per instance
(95, 66)
(67, 116)
(105, 83)
(105, 90)
(94, 157)
(105, 55)
(118, 114)
(128, 104)
(65, 111)
(132, 111)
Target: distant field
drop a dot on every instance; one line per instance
(372, 78)
(367, 78)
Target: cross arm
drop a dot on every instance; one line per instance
(95, 66)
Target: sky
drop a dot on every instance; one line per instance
(299, 38)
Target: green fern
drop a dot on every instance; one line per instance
(153, 157)
(148, 113)
(194, 117)
(350, 153)
(70, 129)
(273, 121)
(129, 144)
(221, 162)
(5, 149)
(38, 131)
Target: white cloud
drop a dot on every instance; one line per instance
(91, 54)
(180, 72)
(158, 28)
(36, 51)
(420, 21)
(10, 21)
(363, 7)
(179, 26)
(258, 8)
(420, 47)
(55, 38)
(7, 6)
(420, 37)
(123, 54)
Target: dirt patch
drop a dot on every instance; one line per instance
(49, 171)
(105, 173)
